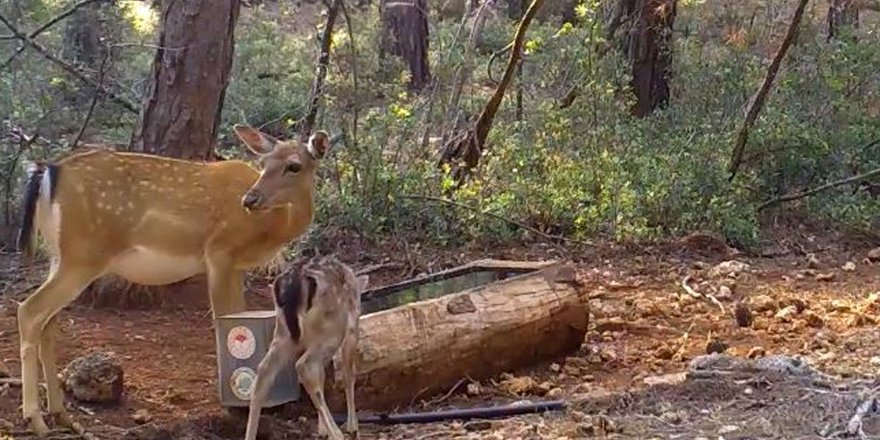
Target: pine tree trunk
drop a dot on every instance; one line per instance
(407, 35)
(181, 109)
(841, 13)
(649, 49)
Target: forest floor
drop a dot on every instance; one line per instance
(812, 296)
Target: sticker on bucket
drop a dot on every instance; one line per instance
(242, 382)
(240, 342)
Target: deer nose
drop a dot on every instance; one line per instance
(250, 199)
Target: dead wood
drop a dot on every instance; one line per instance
(73, 71)
(469, 145)
(758, 100)
(308, 123)
(818, 189)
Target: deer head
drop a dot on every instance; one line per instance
(285, 164)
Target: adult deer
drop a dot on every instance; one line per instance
(155, 221)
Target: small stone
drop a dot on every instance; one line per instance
(786, 314)
(763, 303)
(142, 416)
(749, 391)
(825, 277)
(474, 389)
(839, 305)
(813, 319)
(875, 361)
(874, 255)
(96, 377)
(724, 293)
(727, 429)
(554, 393)
(579, 416)
(554, 367)
(756, 352)
(478, 425)
(607, 355)
(849, 267)
(671, 417)
(730, 268)
(665, 352)
(813, 261)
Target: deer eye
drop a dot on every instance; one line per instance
(293, 168)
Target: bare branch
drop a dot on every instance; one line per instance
(42, 28)
(102, 71)
(308, 123)
(757, 101)
(66, 66)
(825, 187)
(496, 216)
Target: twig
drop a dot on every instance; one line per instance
(448, 393)
(757, 101)
(827, 186)
(42, 28)
(854, 426)
(684, 340)
(496, 216)
(85, 123)
(690, 291)
(65, 66)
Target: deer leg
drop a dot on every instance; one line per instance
(310, 368)
(349, 372)
(54, 394)
(63, 286)
(225, 286)
(275, 359)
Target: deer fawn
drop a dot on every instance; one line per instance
(154, 221)
(318, 306)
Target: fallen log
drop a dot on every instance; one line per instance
(537, 311)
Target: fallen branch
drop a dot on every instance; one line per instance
(496, 216)
(757, 101)
(827, 186)
(854, 426)
(42, 28)
(66, 67)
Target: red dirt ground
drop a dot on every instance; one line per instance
(642, 324)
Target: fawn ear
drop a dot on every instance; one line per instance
(362, 282)
(319, 143)
(258, 142)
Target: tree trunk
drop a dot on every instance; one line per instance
(426, 347)
(841, 14)
(649, 50)
(181, 108)
(406, 24)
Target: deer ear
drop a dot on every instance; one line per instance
(362, 282)
(259, 143)
(319, 143)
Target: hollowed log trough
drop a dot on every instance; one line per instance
(478, 321)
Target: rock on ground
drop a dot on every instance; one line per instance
(96, 377)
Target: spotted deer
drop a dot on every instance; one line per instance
(317, 306)
(154, 221)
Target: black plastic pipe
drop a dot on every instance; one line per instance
(486, 412)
